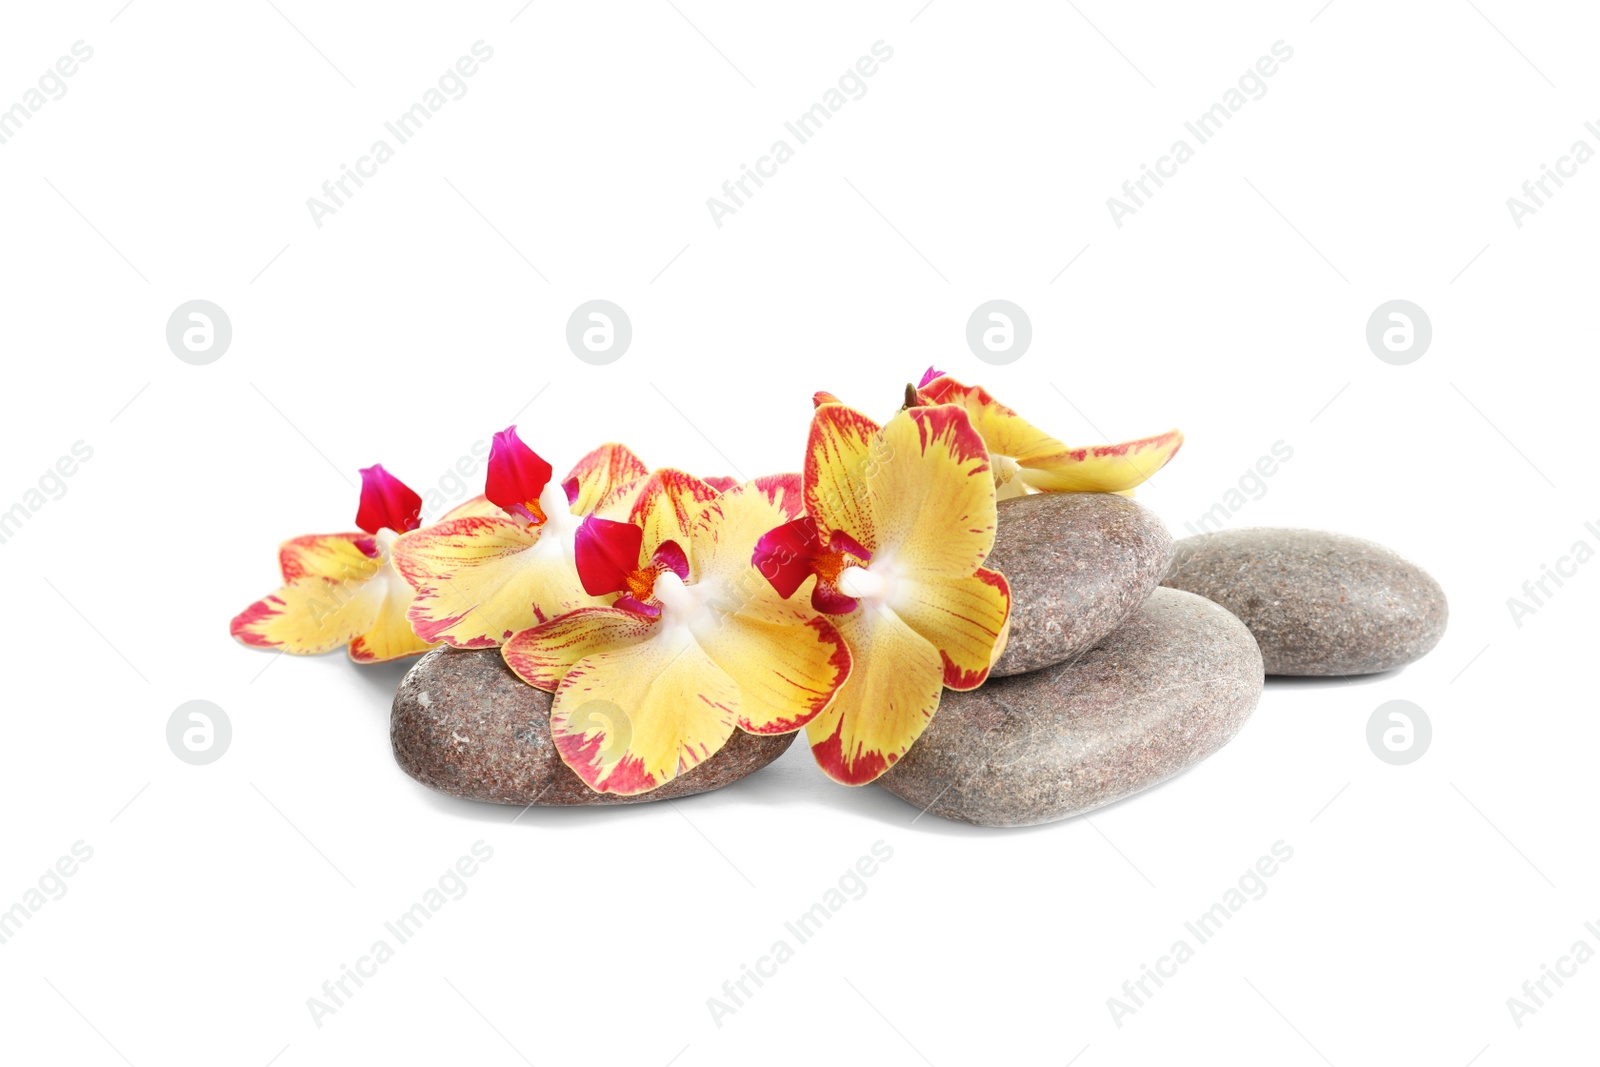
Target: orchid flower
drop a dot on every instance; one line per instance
(898, 521)
(695, 646)
(1026, 459)
(342, 589)
(503, 561)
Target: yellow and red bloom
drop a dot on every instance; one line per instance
(695, 646)
(898, 522)
(1026, 459)
(342, 589)
(504, 561)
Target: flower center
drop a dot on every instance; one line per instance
(829, 565)
(863, 583)
(680, 603)
(642, 583)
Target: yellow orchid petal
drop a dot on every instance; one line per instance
(389, 636)
(843, 449)
(931, 498)
(1102, 468)
(479, 505)
(337, 557)
(963, 618)
(631, 719)
(1004, 432)
(787, 662)
(665, 504)
(543, 655)
(891, 693)
(597, 475)
(478, 580)
(311, 616)
(725, 531)
(1045, 463)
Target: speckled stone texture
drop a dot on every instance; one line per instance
(465, 725)
(1166, 689)
(1319, 603)
(1078, 564)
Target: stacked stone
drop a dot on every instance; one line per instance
(1129, 659)
(1108, 684)
(1112, 684)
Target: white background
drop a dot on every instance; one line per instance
(430, 311)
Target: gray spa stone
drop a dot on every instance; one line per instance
(1163, 691)
(1078, 564)
(463, 724)
(1319, 603)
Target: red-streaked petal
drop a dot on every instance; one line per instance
(390, 636)
(479, 505)
(629, 719)
(786, 490)
(541, 656)
(606, 553)
(334, 556)
(786, 661)
(721, 482)
(821, 397)
(1004, 432)
(480, 579)
(311, 616)
(666, 504)
(517, 475)
(893, 690)
(933, 501)
(387, 502)
(1102, 468)
(596, 476)
(843, 451)
(1047, 464)
(961, 617)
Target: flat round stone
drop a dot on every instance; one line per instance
(465, 725)
(1319, 603)
(1163, 691)
(1078, 564)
